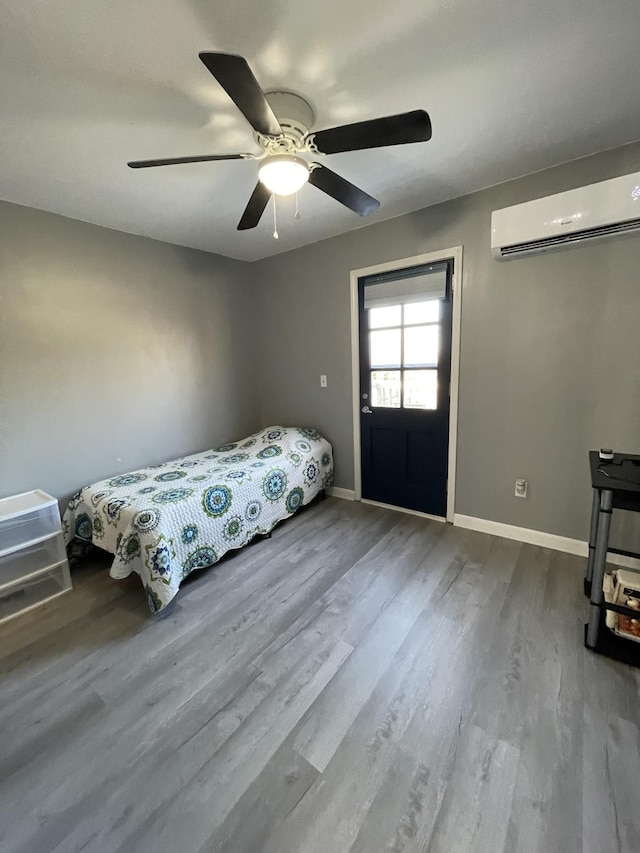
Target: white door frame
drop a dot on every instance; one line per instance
(456, 284)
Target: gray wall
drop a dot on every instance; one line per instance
(115, 352)
(550, 359)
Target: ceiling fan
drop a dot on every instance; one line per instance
(282, 123)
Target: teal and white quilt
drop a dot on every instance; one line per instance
(166, 521)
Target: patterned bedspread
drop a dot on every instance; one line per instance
(166, 521)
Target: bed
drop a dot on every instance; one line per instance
(167, 521)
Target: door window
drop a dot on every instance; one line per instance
(404, 345)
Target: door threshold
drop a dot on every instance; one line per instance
(404, 509)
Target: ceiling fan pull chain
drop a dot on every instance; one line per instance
(297, 209)
(275, 221)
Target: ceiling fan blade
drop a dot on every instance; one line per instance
(355, 199)
(254, 210)
(375, 133)
(236, 78)
(174, 161)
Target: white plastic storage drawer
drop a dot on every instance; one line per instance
(26, 517)
(29, 593)
(31, 559)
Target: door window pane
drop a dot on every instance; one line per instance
(422, 312)
(385, 348)
(385, 389)
(421, 389)
(389, 315)
(421, 346)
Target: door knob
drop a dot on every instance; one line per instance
(366, 410)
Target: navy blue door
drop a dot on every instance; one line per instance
(405, 370)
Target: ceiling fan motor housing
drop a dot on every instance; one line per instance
(295, 115)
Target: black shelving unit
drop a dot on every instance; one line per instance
(616, 485)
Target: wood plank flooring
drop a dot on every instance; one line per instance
(362, 681)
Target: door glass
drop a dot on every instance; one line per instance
(385, 388)
(421, 346)
(421, 312)
(388, 315)
(421, 389)
(385, 348)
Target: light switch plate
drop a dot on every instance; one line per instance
(323, 380)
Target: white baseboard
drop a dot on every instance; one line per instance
(337, 492)
(538, 537)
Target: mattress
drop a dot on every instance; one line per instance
(168, 520)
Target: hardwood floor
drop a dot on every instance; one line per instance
(362, 681)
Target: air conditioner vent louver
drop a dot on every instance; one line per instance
(573, 237)
(605, 209)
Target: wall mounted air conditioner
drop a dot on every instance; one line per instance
(598, 210)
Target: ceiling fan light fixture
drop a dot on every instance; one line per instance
(284, 174)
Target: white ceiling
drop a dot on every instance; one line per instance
(512, 86)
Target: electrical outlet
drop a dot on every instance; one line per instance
(323, 380)
(521, 488)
